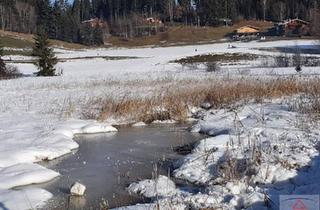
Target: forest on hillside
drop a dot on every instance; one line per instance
(64, 21)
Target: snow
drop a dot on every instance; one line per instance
(30, 198)
(26, 139)
(139, 124)
(98, 128)
(272, 156)
(162, 186)
(40, 116)
(24, 174)
(163, 206)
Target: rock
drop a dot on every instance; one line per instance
(206, 106)
(77, 189)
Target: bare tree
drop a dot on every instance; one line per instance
(264, 9)
(315, 17)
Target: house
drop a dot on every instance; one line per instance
(225, 22)
(296, 27)
(247, 30)
(154, 21)
(292, 27)
(96, 22)
(246, 33)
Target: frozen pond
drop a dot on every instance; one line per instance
(108, 163)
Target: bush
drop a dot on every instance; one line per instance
(283, 61)
(212, 67)
(297, 60)
(9, 72)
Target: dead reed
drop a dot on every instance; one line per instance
(173, 103)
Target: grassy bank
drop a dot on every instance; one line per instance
(174, 103)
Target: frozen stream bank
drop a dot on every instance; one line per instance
(108, 163)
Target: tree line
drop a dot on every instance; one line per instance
(64, 21)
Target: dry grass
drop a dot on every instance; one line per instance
(186, 35)
(21, 40)
(175, 35)
(173, 103)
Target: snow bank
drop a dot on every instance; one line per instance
(162, 187)
(258, 156)
(139, 124)
(24, 174)
(25, 199)
(97, 128)
(29, 140)
(162, 205)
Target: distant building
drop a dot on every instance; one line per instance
(154, 21)
(291, 28)
(247, 30)
(96, 22)
(225, 22)
(246, 33)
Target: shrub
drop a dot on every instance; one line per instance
(212, 67)
(283, 61)
(9, 72)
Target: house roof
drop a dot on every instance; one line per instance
(247, 30)
(296, 20)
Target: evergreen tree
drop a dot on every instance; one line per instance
(86, 35)
(44, 15)
(97, 36)
(46, 59)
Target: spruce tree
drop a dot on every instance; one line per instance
(46, 58)
(97, 36)
(44, 15)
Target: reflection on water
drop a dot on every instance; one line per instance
(108, 163)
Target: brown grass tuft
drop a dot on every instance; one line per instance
(173, 103)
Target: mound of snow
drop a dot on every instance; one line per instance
(24, 174)
(139, 124)
(31, 198)
(162, 187)
(97, 128)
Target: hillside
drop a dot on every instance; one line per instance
(10, 39)
(175, 35)
(178, 35)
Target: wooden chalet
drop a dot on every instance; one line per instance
(291, 28)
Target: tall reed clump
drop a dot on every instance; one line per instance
(173, 103)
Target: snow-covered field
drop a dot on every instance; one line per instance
(39, 117)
